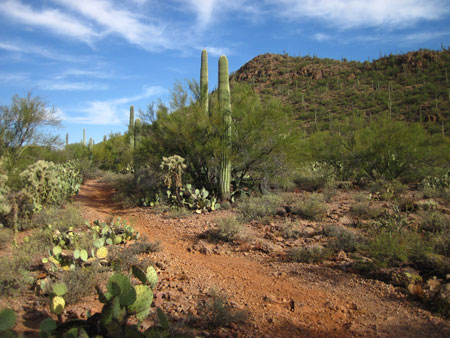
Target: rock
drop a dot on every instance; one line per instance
(399, 276)
(308, 232)
(342, 256)
(345, 220)
(434, 284)
(281, 212)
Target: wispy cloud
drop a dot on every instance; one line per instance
(15, 78)
(111, 112)
(216, 51)
(120, 21)
(208, 11)
(27, 48)
(48, 18)
(71, 86)
(83, 73)
(346, 14)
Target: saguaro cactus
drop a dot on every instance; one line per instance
(225, 111)
(91, 147)
(84, 136)
(137, 132)
(67, 139)
(131, 127)
(204, 81)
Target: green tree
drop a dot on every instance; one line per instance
(23, 124)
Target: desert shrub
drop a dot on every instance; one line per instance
(342, 238)
(228, 229)
(313, 207)
(387, 190)
(441, 243)
(80, 282)
(312, 254)
(364, 210)
(435, 221)
(219, 313)
(437, 186)
(69, 216)
(314, 177)
(387, 248)
(177, 213)
(287, 229)
(15, 275)
(256, 208)
(143, 246)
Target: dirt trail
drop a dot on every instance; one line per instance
(284, 299)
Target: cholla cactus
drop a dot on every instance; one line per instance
(174, 166)
(5, 206)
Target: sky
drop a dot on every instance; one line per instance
(91, 59)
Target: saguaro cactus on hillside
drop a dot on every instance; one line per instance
(204, 81)
(84, 136)
(131, 127)
(225, 111)
(67, 139)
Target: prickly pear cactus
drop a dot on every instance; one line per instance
(144, 298)
(152, 276)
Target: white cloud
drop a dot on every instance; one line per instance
(49, 18)
(15, 78)
(208, 11)
(217, 51)
(83, 73)
(71, 86)
(348, 14)
(322, 37)
(120, 21)
(111, 112)
(28, 48)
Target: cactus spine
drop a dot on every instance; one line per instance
(225, 111)
(84, 136)
(204, 81)
(131, 127)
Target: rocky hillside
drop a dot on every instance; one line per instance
(411, 87)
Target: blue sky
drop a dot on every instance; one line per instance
(92, 59)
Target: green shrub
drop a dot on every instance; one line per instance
(311, 254)
(314, 177)
(219, 313)
(256, 208)
(228, 229)
(59, 218)
(342, 238)
(15, 275)
(387, 249)
(313, 207)
(435, 221)
(364, 210)
(80, 282)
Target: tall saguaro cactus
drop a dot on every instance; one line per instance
(91, 148)
(67, 139)
(204, 81)
(137, 132)
(225, 111)
(131, 127)
(84, 136)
